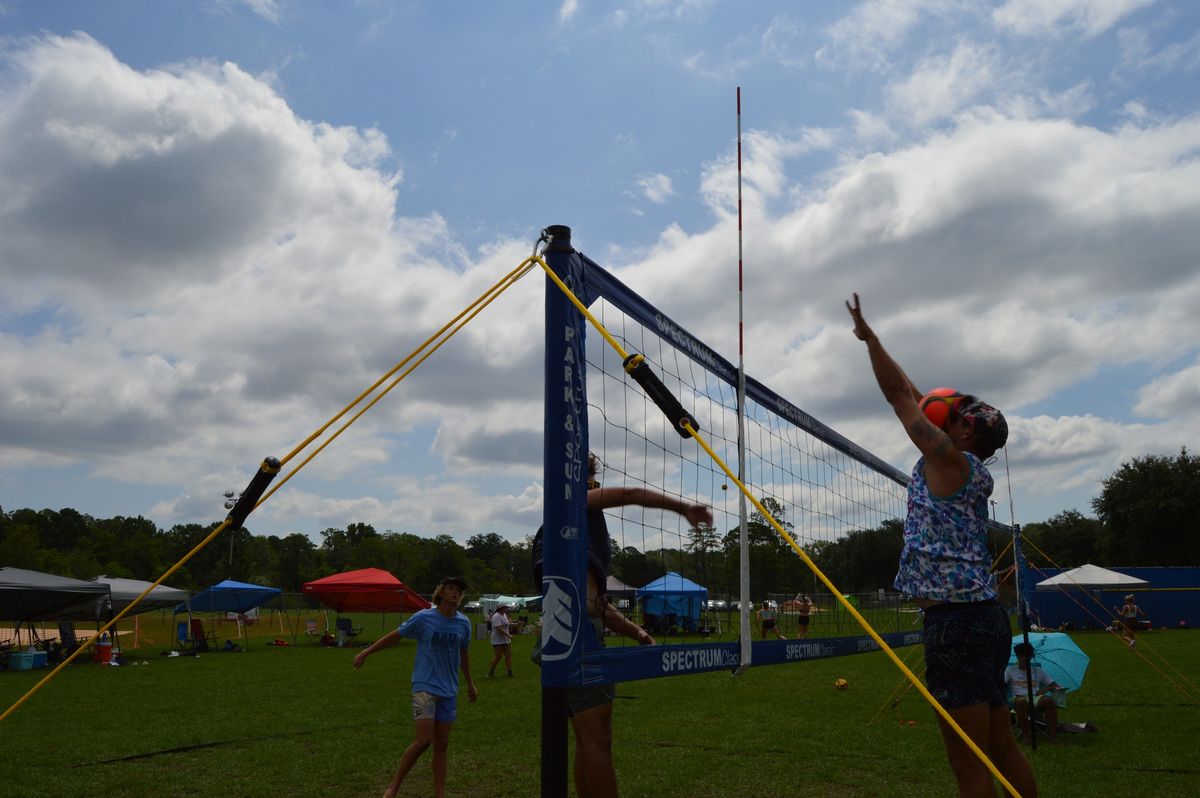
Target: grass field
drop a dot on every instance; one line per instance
(299, 721)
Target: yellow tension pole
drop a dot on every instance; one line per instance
(687, 426)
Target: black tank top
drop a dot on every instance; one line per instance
(599, 548)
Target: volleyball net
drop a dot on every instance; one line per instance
(684, 584)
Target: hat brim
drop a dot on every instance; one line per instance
(453, 580)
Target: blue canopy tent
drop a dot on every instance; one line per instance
(674, 595)
(228, 596)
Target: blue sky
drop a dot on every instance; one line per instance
(223, 219)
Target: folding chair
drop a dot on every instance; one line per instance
(346, 630)
(201, 640)
(67, 641)
(184, 643)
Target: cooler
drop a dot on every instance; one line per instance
(102, 652)
(39, 659)
(20, 661)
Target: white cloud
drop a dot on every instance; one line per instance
(941, 85)
(866, 37)
(871, 129)
(656, 187)
(270, 10)
(1011, 257)
(1091, 17)
(1138, 53)
(200, 277)
(1171, 396)
(568, 10)
(221, 276)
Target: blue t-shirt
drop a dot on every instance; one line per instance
(945, 555)
(440, 643)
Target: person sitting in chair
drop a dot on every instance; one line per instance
(1043, 689)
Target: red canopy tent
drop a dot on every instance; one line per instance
(365, 590)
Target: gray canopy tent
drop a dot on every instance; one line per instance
(27, 596)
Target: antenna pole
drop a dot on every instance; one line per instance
(743, 536)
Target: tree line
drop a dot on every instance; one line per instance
(1146, 514)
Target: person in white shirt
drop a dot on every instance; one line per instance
(1129, 612)
(1043, 689)
(501, 640)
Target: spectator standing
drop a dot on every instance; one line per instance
(501, 640)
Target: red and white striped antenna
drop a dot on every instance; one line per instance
(743, 534)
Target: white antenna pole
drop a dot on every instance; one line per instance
(744, 537)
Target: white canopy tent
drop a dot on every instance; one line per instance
(614, 585)
(1092, 577)
(489, 603)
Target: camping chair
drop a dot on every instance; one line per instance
(183, 640)
(201, 640)
(310, 629)
(346, 630)
(67, 641)
(1039, 718)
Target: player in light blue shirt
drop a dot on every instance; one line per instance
(443, 636)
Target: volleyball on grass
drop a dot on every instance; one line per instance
(841, 684)
(939, 404)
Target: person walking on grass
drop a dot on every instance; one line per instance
(443, 636)
(501, 640)
(946, 567)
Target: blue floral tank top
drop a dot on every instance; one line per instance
(945, 555)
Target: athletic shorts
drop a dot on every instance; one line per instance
(768, 624)
(802, 620)
(580, 699)
(427, 706)
(966, 651)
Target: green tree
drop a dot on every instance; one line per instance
(20, 545)
(1151, 508)
(297, 561)
(1066, 540)
(702, 541)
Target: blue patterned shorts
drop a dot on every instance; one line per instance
(966, 650)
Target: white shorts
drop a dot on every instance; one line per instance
(427, 706)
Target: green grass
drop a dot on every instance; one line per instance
(300, 721)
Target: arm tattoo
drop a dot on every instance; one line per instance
(923, 430)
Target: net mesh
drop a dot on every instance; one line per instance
(817, 492)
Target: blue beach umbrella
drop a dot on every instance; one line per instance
(1058, 656)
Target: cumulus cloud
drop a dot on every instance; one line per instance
(202, 277)
(205, 278)
(1008, 256)
(1172, 395)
